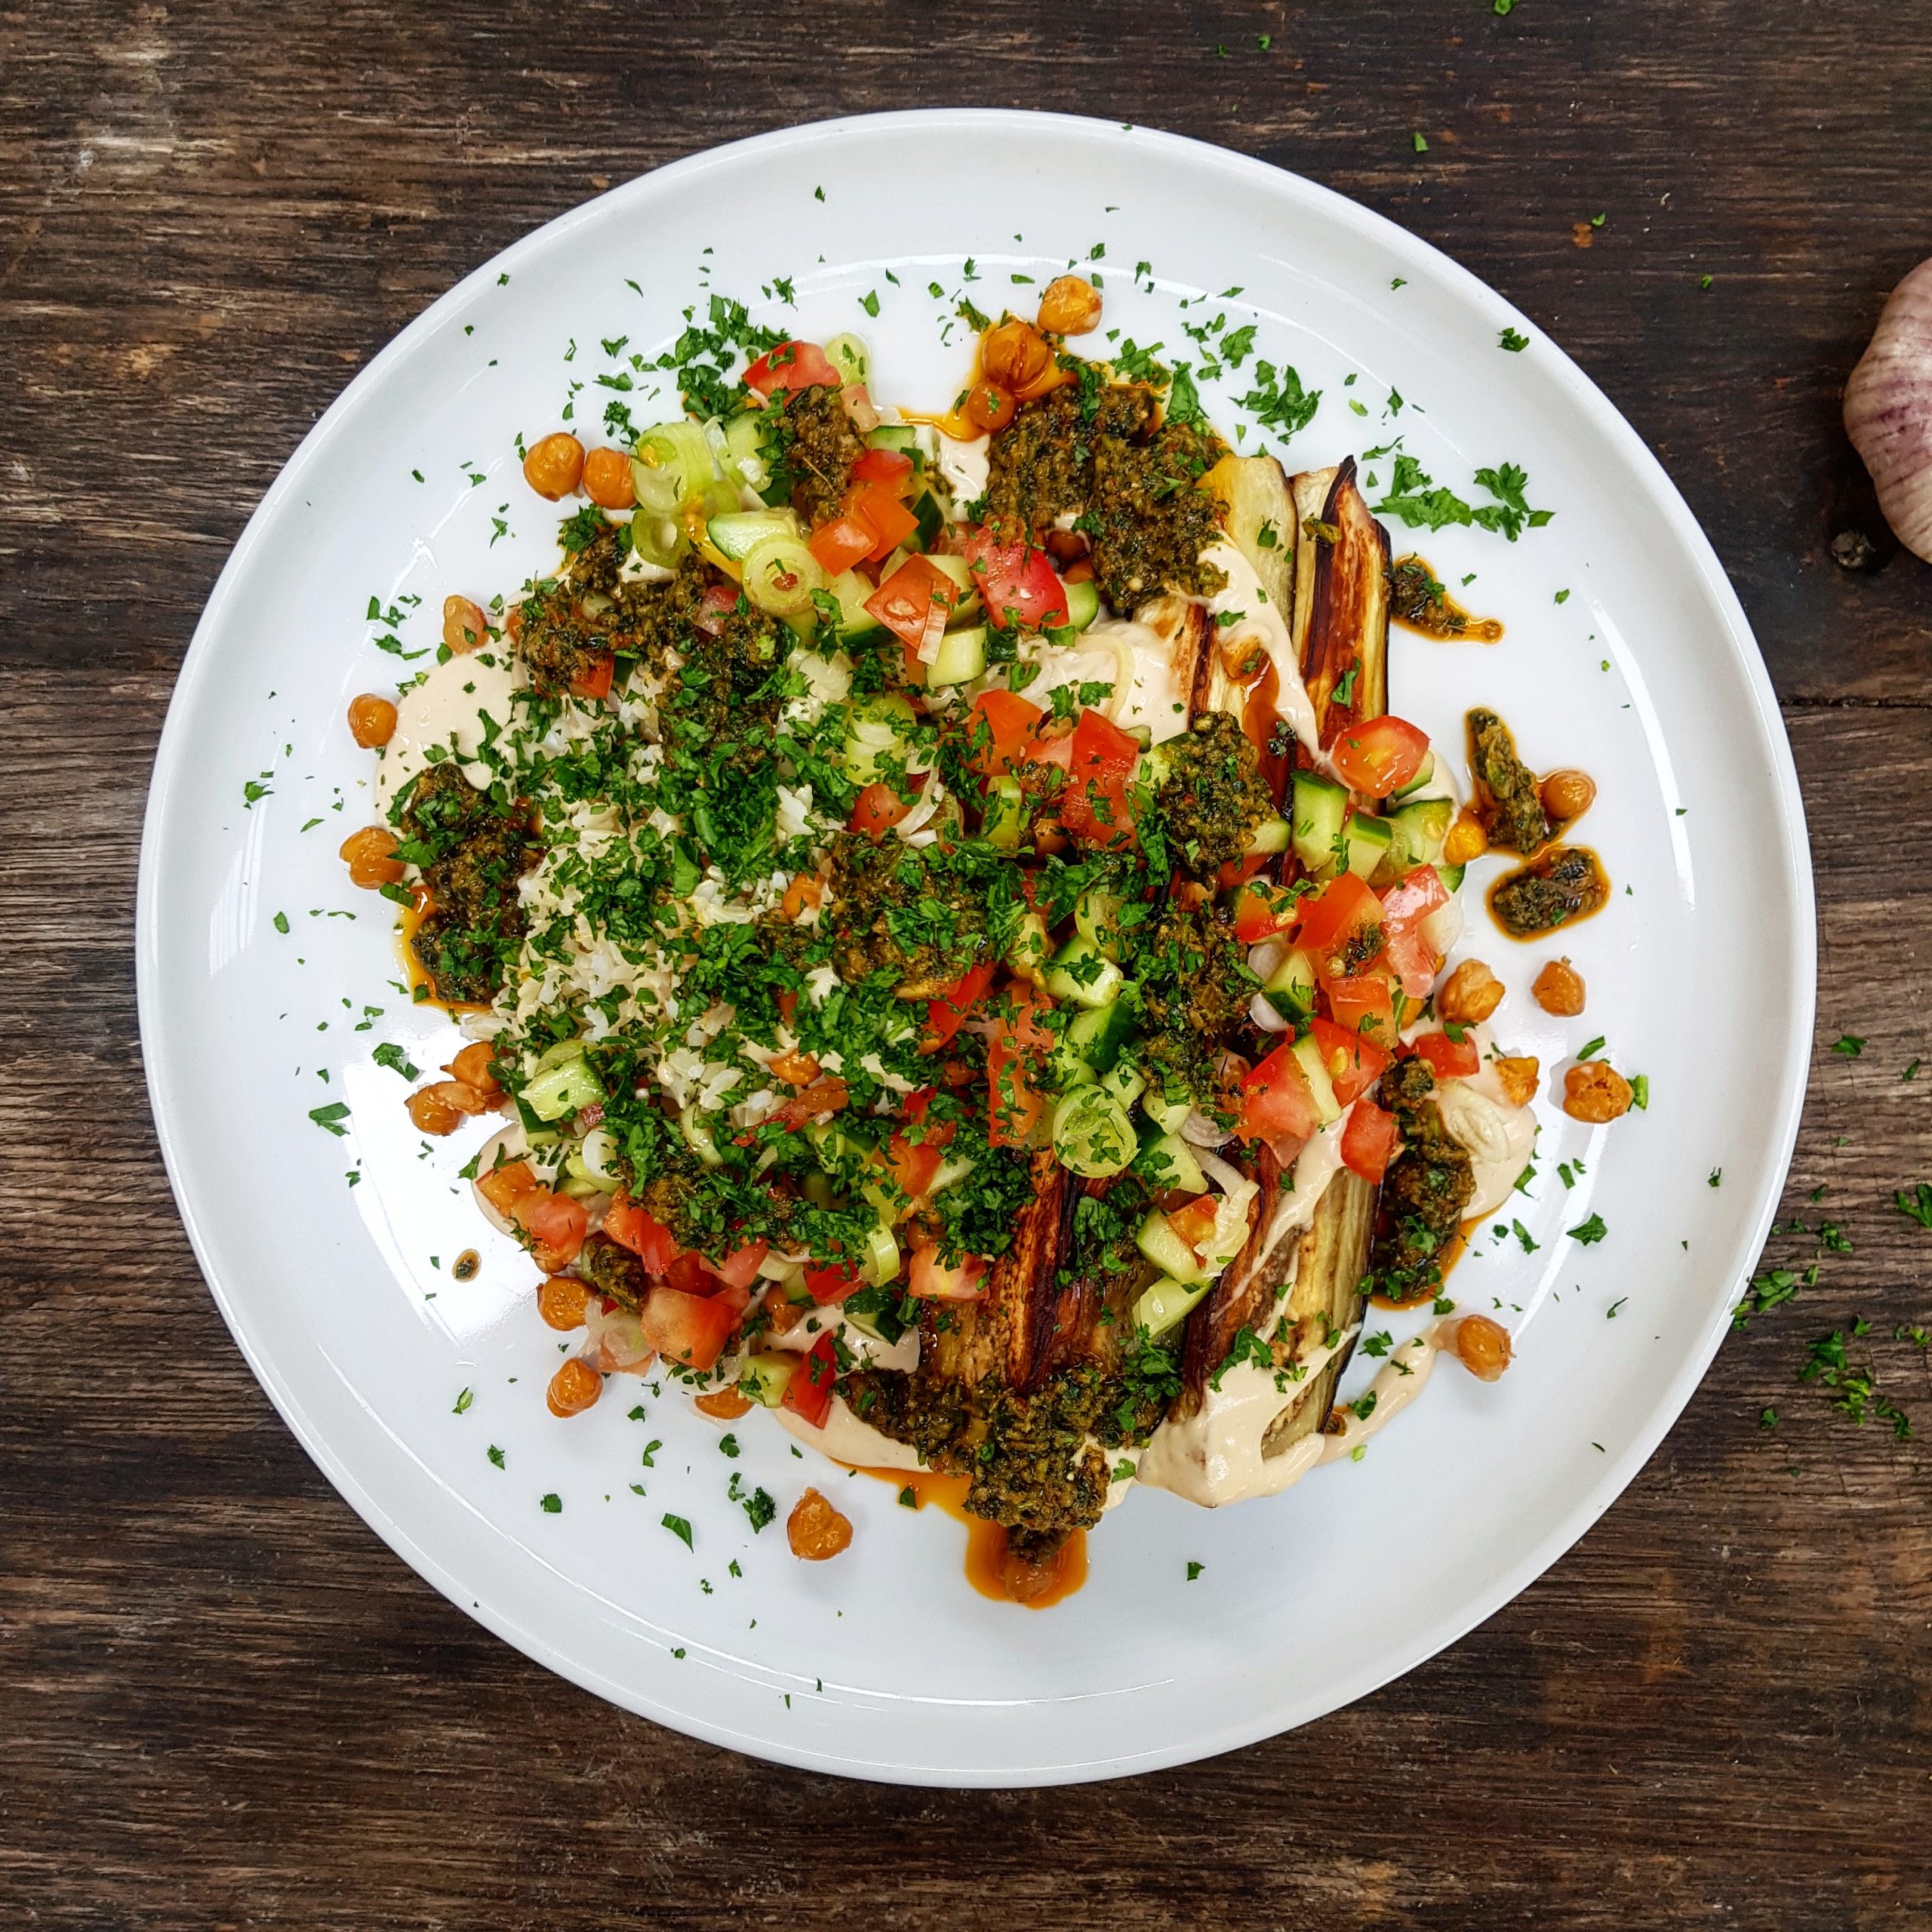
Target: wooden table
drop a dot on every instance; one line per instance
(222, 1702)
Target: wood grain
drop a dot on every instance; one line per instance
(222, 1702)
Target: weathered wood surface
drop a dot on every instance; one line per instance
(222, 1702)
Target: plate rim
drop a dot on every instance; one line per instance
(1674, 1393)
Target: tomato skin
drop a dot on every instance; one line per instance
(914, 602)
(1276, 1102)
(931, 1280)
(1002, 733)
(791, 365)
(1093, 805)
(808, 1394)
(876, 810)
(1447, 1058)
(1344, 909)
(739, 1268)
(1404, 906)
(889, 520)
(1369, 1141)
(891, 467)
(840, 542)
(689, 1275)
(1363, 1004)
(690, 1329)
(827, 1285)
(1379, 755)
(946, 1014)
(556, 1224)
(1262, 910)
(630, 1226)
(1354, 1063)
(595, 682)
(1019, 584)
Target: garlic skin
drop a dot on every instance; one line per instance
(1888, 411)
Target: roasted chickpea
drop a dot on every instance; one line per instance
(1015, 355)
(574, 1388)
(433, 1110)
(815, 1530)
(1467, 840)
(1027, 1578)
(472, 1066)
(1070, 307)
(1559, 990)
(1470, 993)
(561, 1301)
(806, 891)
(796, 1070)
(554, 466)
(503, 1186)
(465, 627)
(1065, 546)
(371, 720)
(723, 1404)
(1482, 1346)
(1517, 1076)
(1567, 795)
(780, 1310)
(1595, 1093)
(606, 479)
(989, 407)
(371, 854)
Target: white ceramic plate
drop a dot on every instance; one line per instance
(883, 1664)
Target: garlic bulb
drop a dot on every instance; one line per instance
(1888, 411)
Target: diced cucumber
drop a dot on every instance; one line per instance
(949, 1173)
(880, 730)
(1083, 603)
(765, 1378)
(1168, 1115)
(903, 437)
(960, 572)
(1451, 877)
(1290, 987)
(852, 590)
(579, 1189)
(1320, 806)
(931, 519)
(1270, 836)
(1162, 1245)
(1420, 830)
(1096, 915)
(1081, 972)
(564, 1087)
(1365, 843)
(1166, 1304)
(738, 533)
(1092, 1042)
(1425, 772)
(1030, 949)
(1169, 1162)
(1308, 1057)
(1092, 1135)
(880, 1262)
(847, 354)
(1124, 1081)
(1004, 824)
(962, 656)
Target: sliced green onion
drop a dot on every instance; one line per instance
(847, 354)
(880, 1262)
(780, 575)
(1092, 1134)
(696, 1130)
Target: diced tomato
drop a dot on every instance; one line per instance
(594, 682)
(827, 1285)
(1019, 584)
(944, 1015)
(716, 605)
(1341, 927)
(1353, 1062)
(689, 1329)
(1014, 1104)
(501, 1187)
(808, 1394)
(1002, 732)
(1262, 910)
(688, 1274)
(1368, 1141)
(556, 1224)
(1363, 1003)
(889, 520)
(913, 1166)
(1194, 1222)
(788, 1006)
(1404, 906)
(1379, 755)
(876, 810)
(739, 1268)
(1016, 1016)
(1276, 1101)
(1448, 1060)
(914, 602)
(1093, 805)
(791, 365)
(931, 1280)
(891, 467)
(627, 1224)
(827, 1095)
(839, 544)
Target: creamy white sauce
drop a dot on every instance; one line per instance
(866, 1349)
(965, 467)
(1499, 1138)
(847, 1439)
(446, 709)
(1397, 1383)
(1152, 698)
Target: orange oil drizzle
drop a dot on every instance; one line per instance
(986, 1542)
(421, 988)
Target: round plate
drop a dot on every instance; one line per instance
(267, 982)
